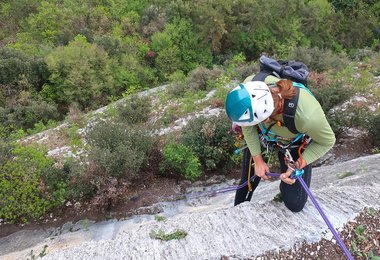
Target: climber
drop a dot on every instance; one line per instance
(284, 114)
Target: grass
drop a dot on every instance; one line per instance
(159, 218)
(72, 133)
(41, 254)
(345, 175)
(161, 235)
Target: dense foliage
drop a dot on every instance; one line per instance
(64, 58)
(91, 52)
(180, 159)
(23, 193)
(118, 150)
(210, 141)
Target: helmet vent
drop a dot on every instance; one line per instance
(256, 115)
(253, 96)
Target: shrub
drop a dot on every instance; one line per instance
(245, 70)
(319, 59)
(332, 95)
(135, 110)
(5, 152)
(80, 72)
(118, 149)
(75, 115)
(181, 159)
(178, 86)
(352, 116)
(210, 141)
(179, 48)
(318, 80)
(81, 182)
(21, 72)
(161, 235)
(361, 54)
(374, 129)
(198, 79)
(23, 194)
(29, 111)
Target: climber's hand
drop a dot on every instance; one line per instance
(261, 168)
(285, 177)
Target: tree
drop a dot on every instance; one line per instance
(179, 48)
(13, 14)
(46, 25)
(79, 73)
(20, 72)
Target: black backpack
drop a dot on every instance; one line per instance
(293, 70)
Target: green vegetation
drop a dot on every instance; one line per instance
(180, 159)
(55, 54)
(117, 149)
(159, 218)
(210, 141)
(62, 59)
(345, 175)
(136, 110)
(22, 193)
(161, 235)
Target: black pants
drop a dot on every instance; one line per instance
(294, 196)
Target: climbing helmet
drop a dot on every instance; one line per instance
(249, 103)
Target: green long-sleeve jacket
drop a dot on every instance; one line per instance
(309, 119)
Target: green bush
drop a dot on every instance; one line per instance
(80, 73)
(82, 182)
(5, 151)
(21, 72)
(332, 95)
(374, 129)
(177, 87)
(198, 79)
(210, 141)
(352, 116)
(117, 149)
(28, 112)
(23, 194)
(242, 71)
(181, 159)
(178, 47)
(361, 54)
(319, 59)
(135, 110)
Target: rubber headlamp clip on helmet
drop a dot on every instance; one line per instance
(249, 103)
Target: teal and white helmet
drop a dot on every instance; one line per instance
(249, 103)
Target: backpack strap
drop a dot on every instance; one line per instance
(290, 106)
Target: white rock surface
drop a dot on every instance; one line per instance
(215, 228)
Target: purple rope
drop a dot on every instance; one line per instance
(312, 198)
(316, 204)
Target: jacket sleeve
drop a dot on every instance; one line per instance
(251, 136)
